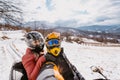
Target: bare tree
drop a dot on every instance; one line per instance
(9, 12)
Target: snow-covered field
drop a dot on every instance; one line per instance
(83, 57)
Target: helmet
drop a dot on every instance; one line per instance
(53, 35)
(33, 36)
(52, 42)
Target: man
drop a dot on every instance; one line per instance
(66, 69)
(49, 70)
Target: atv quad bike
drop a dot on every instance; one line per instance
(18, 72)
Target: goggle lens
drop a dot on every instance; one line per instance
(53, 42)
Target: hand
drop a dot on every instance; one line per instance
(50, 57)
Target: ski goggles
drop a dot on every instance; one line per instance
(53, 42)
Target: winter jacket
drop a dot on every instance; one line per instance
(31, 64)
(64, 67)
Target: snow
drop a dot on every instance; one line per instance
(89, 40)
(82, 56)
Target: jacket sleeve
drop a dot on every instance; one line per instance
(31, 66)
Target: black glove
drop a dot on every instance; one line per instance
(50, 57)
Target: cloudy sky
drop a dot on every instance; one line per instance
(80, 12)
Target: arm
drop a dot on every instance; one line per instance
(37, 68)
(31, 66)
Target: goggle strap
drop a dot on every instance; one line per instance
(51, 47)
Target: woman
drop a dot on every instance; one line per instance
(34, 56)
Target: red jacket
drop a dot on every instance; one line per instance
(31, 65)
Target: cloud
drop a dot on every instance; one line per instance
(102, 18)
(86, 12)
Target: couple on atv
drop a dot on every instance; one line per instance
(50, 65)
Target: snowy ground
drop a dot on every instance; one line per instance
(83, 57)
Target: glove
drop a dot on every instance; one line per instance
(50, 57)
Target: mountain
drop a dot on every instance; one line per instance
(57, 26)
(101, 28)
(73, 31)
(67, 26)
(46, 24)
(67, 23)
(39, 24)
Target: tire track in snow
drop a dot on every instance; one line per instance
(14, 48)
(20, 52)
(6, 61)
(13, 56)
(11, 50)
(3, 62)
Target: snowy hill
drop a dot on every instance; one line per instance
(82, 56)
(72, 24)
(102, 28)
(46, 24)
(112, 32)
(39, 24)
(52, 26)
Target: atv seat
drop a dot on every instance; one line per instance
(18, 67)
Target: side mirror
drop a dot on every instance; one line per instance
(99, 70)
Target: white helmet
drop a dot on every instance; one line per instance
(34, 35)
